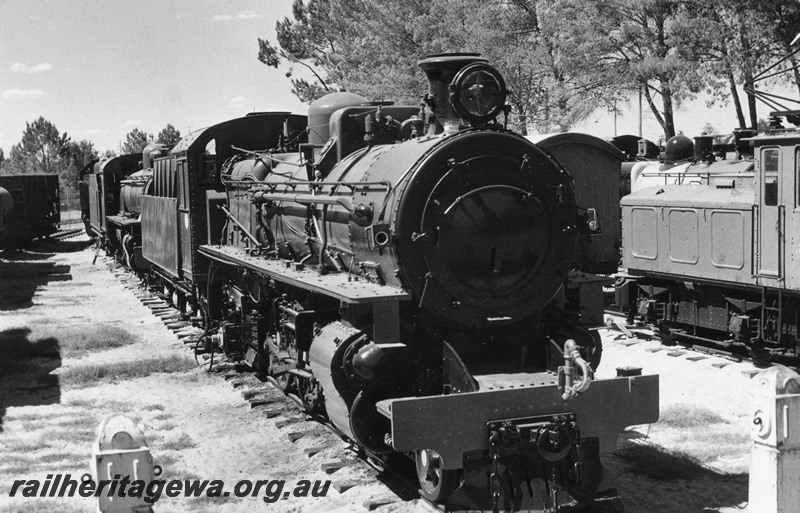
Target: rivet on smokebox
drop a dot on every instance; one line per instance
(120, 450)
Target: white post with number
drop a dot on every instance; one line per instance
(775, 433)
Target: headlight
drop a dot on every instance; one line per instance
(478, 93)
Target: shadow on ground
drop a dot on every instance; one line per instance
(674, 481)
(60, 246)
(23, 272)
(25, 370)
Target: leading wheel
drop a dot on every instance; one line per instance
(435, 482)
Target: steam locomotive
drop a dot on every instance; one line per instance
(111, 190)
(395, 275)
(392, 269)
(709, 252)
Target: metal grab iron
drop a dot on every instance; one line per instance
(573, 361)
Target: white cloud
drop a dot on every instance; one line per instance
(38, 18)
(244, 15)
(132, 122)
(239, 102)
(19, 67)
(22, 94)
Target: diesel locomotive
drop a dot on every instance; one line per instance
(394, 274)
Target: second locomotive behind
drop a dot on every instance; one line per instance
(395, 276)
(710, 255)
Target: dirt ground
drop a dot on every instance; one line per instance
(200, 427)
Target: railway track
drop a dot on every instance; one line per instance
(285, 408)
(67, 234)
(616, 320)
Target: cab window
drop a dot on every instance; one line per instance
(797, 177)
(207, 167)
(770, 160)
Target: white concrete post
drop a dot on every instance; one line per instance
(120, 451)
(775, 433)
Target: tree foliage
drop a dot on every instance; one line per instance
(561, 58)
(632, 45)
(43, 149)
(169, 135)
(76, 155)
(372, 47)
(135, 141)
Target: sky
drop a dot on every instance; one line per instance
(99, 68)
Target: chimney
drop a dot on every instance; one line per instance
(441, 69)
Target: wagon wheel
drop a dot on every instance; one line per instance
(435, 482)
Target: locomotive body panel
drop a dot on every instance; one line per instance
(692, 231)
(160, 233)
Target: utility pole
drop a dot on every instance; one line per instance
(641, 132)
